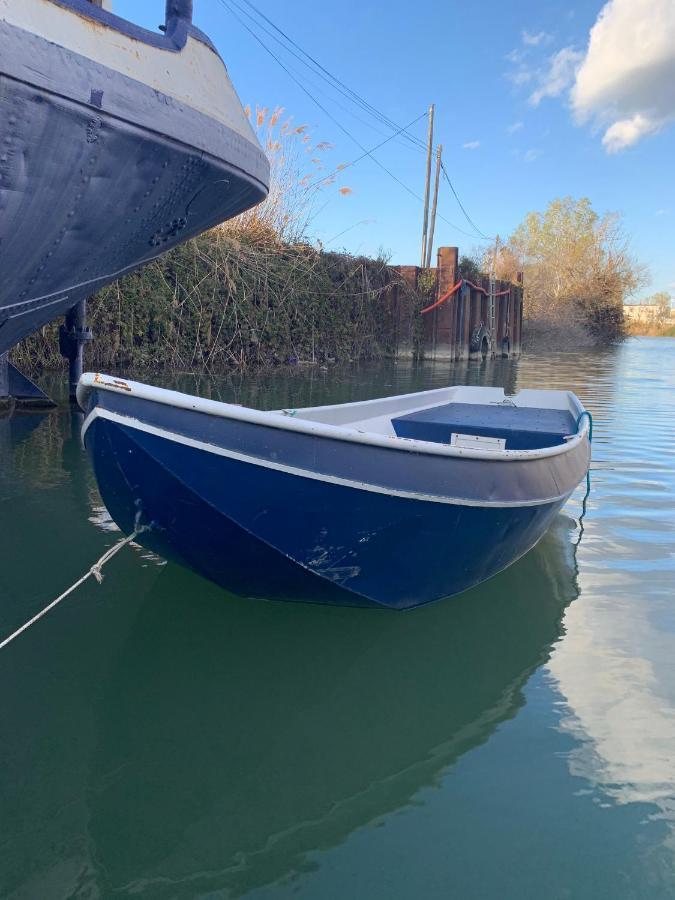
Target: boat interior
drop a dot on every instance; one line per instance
(469, 417)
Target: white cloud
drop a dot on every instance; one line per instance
(520, 77)
(558, 76)
(471, 145)
(516, 126)
(626, 81)
(534, 39)
(661, 212)
(531, 155)
(625, 132)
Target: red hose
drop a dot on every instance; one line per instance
(452, 290)
(443, 298)
(483, 291)
(475, 287)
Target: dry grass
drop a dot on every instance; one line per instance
(651, 329)
(297, 180)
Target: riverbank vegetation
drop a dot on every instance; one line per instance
(251, 293)
(235, 300)
(256, 291)
(578, 271)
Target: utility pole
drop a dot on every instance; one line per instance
(432, 225)
(428, 185)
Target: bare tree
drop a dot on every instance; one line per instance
(577, 266)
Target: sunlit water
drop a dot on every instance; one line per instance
(161, 738)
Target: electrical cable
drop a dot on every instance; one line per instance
(230, 6)
(459, 202)
(337, 84)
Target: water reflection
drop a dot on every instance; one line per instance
(263, 731)
(616, 678)
(313, 386)
(15, 429)
(160, 737)
(615, 670)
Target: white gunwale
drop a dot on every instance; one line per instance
(91, 381)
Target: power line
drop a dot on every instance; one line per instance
(344, 107)
(230, 6)
(314, 100)
(297, 56)
(459, 203)
(336, 83)
(345, 90)
(348, 165)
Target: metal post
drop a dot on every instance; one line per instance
(428, 185)
(491, 297)
(178, 9)
(4, 377)
(75, 365)
(432, 226)
(5, 401)
(73, 335)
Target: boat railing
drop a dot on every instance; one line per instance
(178, 9)
(176, 29)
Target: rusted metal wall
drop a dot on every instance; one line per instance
(459, 328)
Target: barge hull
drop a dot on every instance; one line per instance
(100, 174)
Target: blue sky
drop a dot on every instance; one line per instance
(512, 83)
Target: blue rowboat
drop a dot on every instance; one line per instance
(392, 502)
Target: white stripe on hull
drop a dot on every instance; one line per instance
(136, 424)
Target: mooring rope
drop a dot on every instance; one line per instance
(95, 570)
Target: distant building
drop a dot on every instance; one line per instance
(647, 312)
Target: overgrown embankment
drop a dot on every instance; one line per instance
(237, 300)
(578, 272)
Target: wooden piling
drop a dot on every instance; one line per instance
(440, 324)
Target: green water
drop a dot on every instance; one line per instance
(160, 738)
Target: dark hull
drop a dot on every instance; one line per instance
(98, 175)
(261, 532)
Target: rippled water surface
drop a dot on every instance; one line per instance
(161, 738)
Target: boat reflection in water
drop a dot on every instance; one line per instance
(14, 430)
(235, 737)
